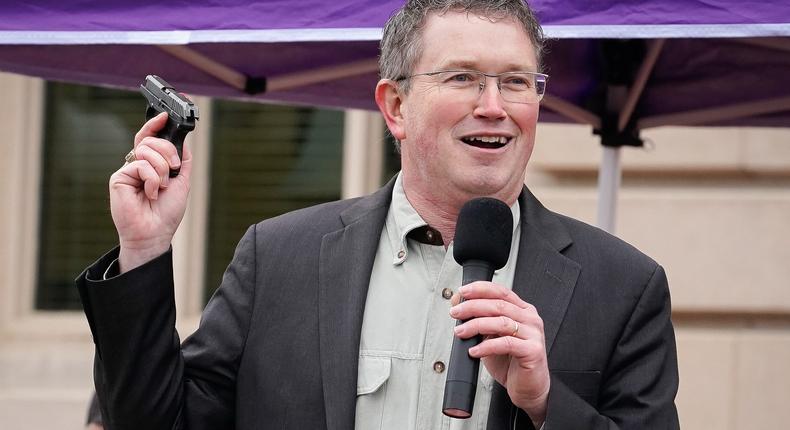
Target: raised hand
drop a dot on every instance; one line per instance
(147, 205)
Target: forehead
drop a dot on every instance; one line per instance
(460, 39)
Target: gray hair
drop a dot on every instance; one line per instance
(401, 41)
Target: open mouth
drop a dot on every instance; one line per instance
(486, 142)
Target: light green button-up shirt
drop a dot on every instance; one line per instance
(407, 330)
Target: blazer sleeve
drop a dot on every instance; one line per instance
(144, 377)
(641, 380)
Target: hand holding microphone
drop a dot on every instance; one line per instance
(494, 323)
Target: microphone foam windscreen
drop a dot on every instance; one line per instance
(483, 232)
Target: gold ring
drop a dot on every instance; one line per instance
(130, 156)
(515, 332)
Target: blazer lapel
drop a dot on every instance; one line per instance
(545, 278)
(345, 266)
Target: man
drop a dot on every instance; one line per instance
(336, 316)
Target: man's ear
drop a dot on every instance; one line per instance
(389, 100)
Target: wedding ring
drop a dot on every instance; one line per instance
(130, 157)
(515, 331)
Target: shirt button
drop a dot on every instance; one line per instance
(429, 235)
(447, 293)
(401, 253)
(438, 367)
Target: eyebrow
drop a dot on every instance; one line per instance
(471, 65)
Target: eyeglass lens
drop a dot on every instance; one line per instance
(515, 87)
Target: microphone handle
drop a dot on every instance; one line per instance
(462, 372)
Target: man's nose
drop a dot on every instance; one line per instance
(490, 103)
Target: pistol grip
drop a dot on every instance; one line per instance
(175, 133)
(150, 112)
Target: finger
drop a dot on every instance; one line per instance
(530, 349)
(155, 159)
(186, 152)
(490, 290)
(151, 180)
(499, 326)
(165, 148)
(455, 299)
(487, 308)
(186, 163)
(151, 127)
(140, 173)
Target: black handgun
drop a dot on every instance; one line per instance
(181, 113)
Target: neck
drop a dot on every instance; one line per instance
(438, 214)
(440, 210)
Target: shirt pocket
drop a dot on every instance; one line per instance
(372, 375)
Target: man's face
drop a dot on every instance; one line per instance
(442, 153)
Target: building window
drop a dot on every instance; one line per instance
(266, 160)
(87, 131)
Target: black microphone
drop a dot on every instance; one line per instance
(483, 234)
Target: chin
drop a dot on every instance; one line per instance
(483, 185)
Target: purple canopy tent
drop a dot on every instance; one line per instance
(619, 66)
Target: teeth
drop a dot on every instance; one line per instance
(489, 139)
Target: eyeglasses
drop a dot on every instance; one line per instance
(515, 87)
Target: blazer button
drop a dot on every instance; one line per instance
(438, 367)
(447, 293)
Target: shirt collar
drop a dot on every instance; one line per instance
(402, 218)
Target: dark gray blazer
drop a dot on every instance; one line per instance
(278, 344)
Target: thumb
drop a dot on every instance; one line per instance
(186, 163)
(151, 127)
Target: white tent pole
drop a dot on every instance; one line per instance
(609, 176)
